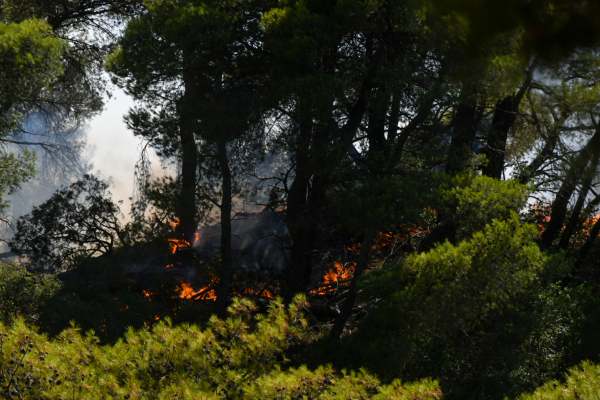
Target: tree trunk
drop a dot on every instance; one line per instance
(376, 127)
(582, 254)
(585, 189)
(394, 119)
(348, 304)
(570, 182)
(464, 130)
(297, 274)
(189, 156)
(226, 205)
(505, 116)
(495, 151)
(464, 127)
(189, 166)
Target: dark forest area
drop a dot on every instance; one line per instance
(371, 199)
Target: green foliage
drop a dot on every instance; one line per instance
(582, 383)
(30, 60)
(432, 297)
(453, 287)
(238, 358)
(23, 293)
(550, 29)
(383, 203)
(474, 201)
(79, 220)
(14, 170)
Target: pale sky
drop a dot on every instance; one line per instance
(115, 149)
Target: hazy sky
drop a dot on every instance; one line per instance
(115, 149)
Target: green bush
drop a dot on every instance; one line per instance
(238, 358)
(459, 313)
(24, 293)
(474, 201)
(582, 383)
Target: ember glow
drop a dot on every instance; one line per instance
(338, 276)
(207, 292)
(177, 244)
(259, 292)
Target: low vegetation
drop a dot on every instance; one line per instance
(241, 357)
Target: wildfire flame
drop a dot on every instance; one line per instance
(339, 275)
(177, 244)
(258, 292)
(187, 292)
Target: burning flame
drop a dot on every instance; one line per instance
(207, 292)
(177, 244)
(259, 292)
(187, 292)
(339, 275)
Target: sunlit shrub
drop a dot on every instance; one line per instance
(238, 358)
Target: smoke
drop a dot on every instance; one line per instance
(67, 151)
(62, 157)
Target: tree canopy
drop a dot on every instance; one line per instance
(429, 169)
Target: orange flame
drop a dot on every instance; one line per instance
(177, 244)
(186, 291)
(339, 275)
(262, 292)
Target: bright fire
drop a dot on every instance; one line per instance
(205, 293)
(262, 292)
(339, 275)
(177, 244)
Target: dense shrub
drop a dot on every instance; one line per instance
(24, 293)
(582, 383)
(238, 358)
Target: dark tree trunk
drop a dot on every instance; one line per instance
(583, 193)
(394, 119)
(348, 304)
(587, 246)
(464, 130)
(226, 205)
(376, 127)
(570, 182)
(317, 153)
(505, 116)
(548, 149)
(189, 159)
(495, 151)
(297, 274)
(464, 127)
